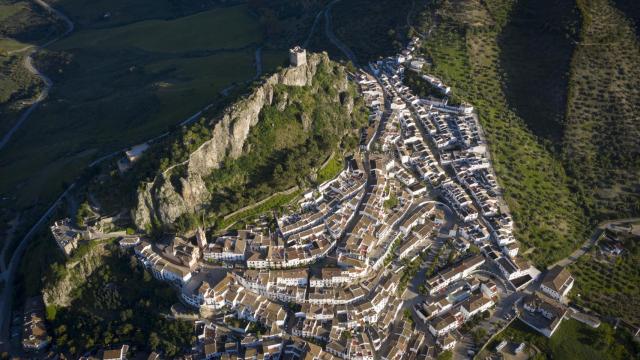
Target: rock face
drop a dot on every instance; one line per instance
(59, 292)
(159, 200)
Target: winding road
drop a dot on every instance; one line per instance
(28, 64)
(328, 30)
(590, 242)
(8, 276)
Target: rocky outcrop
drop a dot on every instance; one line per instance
(74, 273)
(162, 201)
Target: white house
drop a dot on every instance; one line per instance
(441, 326)
(557, 283)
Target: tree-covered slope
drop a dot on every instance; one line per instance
(601, 147)
(464, 46)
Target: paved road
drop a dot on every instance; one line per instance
(328, 30)
(494, 324)
(7, 241)
(305, 44)
(8, 276)
(591, 241)
(28, 64)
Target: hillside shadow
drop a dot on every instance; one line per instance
(630, 8)
(535, 53)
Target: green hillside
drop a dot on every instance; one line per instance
(110, 93)
(536, 46)
(601, 147)
(464, 47)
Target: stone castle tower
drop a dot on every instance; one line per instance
(297, 56)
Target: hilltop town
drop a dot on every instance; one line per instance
(404, 254)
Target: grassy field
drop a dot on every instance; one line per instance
(573, 340)
(272, 59)
(110, 13)
(21, 23)
(116, 94)
(8, 10)
(465, 53)
(16, 83)
(7, 45)
(272, 204)
(189, 33)
(331, 169)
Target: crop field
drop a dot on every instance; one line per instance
(110, 13)
(111, 93)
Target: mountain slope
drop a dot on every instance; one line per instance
(263, 143)
(464, 47)
(601, 147)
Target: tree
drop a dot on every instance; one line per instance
(154, 341)
(478, 335)
(445, 355)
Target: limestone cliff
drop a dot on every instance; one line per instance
(159, 200)
(74, 272)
